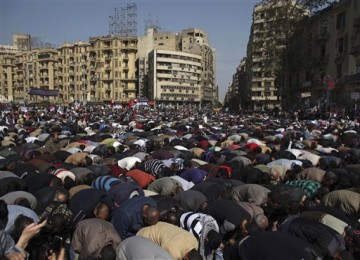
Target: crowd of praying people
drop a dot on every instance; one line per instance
(105, 182)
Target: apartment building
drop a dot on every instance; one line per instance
(72, 69)
(103, 69)
(174, 77)
(112, 68)
(326, 70)
(266, 41)
(196, 41)
(153, 39)
(193, 41)
(7, 72)
(113, 72)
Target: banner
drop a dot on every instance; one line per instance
(43, 92)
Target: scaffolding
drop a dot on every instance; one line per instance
(152, 23)
(123, 22)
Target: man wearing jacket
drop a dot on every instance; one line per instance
(134, 214)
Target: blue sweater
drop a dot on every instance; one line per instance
(127, 219)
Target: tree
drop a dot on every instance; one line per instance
(311, 5)
(281, 19)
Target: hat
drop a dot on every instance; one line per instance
(214, 239)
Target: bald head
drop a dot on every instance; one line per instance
(151, 216)
(261, 221)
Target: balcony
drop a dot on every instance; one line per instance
(46, 56)
(107, 78)
(94, 78)
(127, 89)
(107, 67)
(126, 57)
(128, 79)
(108, 57)
(355, 78)
(129, 48)
(44, 83)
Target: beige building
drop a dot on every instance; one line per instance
(196, 41)
(113, 73)
(103, 69)
(7, 72)
(112, 68)
(175, 77)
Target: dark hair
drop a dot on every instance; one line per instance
(21, 201)
(69, 183)
(4, 212)
(194, 255)
(214, 239)
(20, 224)
(89, 178)
(107, 253)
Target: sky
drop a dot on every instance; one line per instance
(227, 23)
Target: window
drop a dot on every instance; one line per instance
(340, 45)
(322, 50)
(340, 20)
(267, 85)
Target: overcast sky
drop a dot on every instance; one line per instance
(227, 23)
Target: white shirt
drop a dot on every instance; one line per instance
(186, 185)
(128, 163)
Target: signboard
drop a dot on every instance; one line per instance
(43, 92)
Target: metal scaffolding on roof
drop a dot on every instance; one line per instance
(123, 22)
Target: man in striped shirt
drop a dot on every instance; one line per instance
(155, 167)
(205, 229)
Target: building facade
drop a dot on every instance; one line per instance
(112, 68)
(329, 77)
(193, 41)
(103, 69)
(267, 40)
(174, 77)
(113, 73)
(196, 41)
